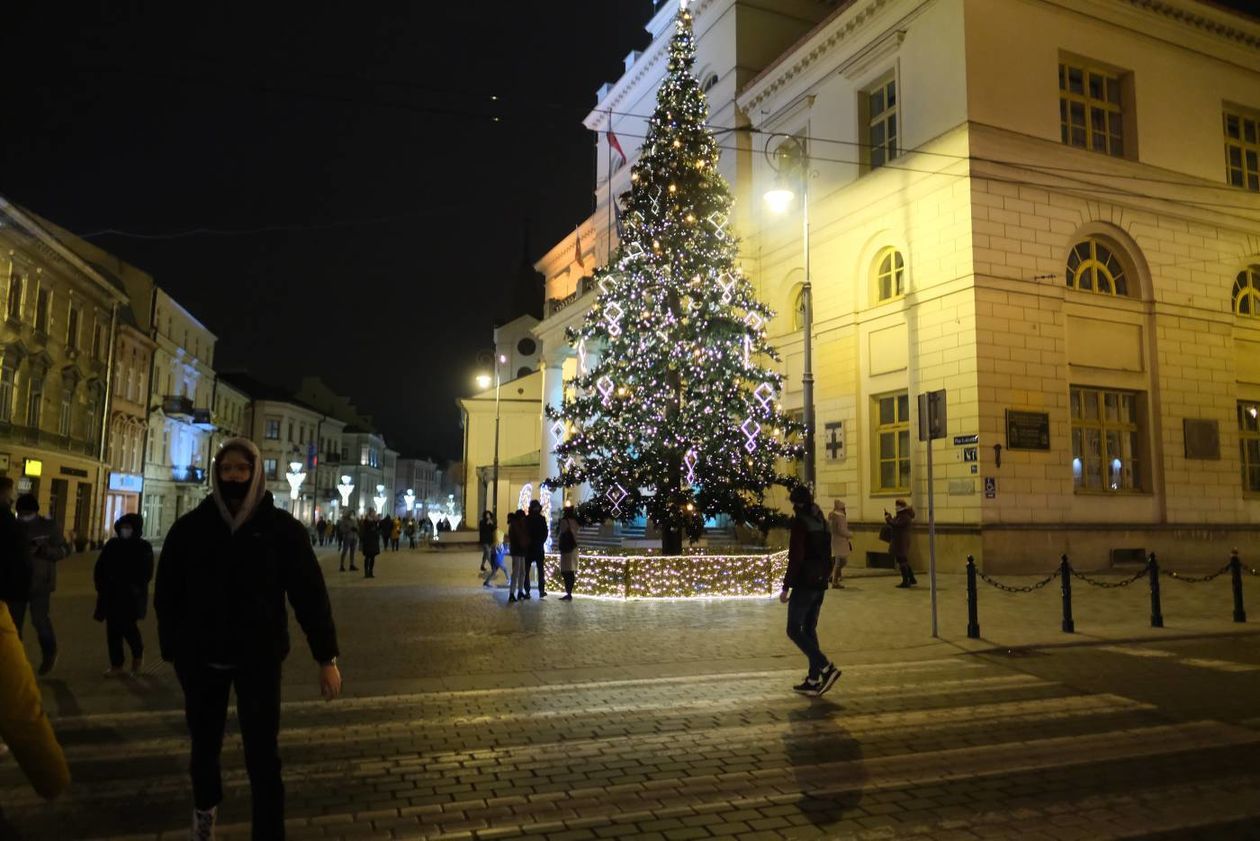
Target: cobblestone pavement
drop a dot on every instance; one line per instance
(521, 723)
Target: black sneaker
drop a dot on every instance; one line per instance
(525, 595)
(807, 687)
(511, 598)
(827, 679)
(48, 664)
(541, 594)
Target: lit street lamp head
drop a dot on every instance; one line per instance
(779, 199)
(484, 380)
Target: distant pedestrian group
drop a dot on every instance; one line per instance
(524, 541)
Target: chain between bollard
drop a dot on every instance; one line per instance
(1011, 589)
(1112, 585)
(1190, 579)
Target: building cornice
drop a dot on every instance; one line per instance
(49, 246)
(1208, 18)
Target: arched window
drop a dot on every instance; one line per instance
(798, 308)
(709, 83)
(1094, 266)
(890, 275)
(1247, 292)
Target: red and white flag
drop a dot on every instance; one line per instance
(577, 249)
(616, 146)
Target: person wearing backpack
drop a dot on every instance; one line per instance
(568, 530)
(804, 585)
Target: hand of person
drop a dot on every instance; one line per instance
(783, 596)
(329, 681)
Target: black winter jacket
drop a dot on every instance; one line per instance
(220, 596)
(122, 575)
(15, 559)
(536, 524)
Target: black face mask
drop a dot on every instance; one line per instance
(234, 491)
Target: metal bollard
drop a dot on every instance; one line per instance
(973, 610)
(1065, 574)
(1235, 572)
(1157, 616)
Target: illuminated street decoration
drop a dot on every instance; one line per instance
(690, 461)
(409, 499)
(345, 489)
(296, 476)
(690, 576)
(379, 499)
(526, 494)
(764, 394)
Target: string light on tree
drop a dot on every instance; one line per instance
(683, 374)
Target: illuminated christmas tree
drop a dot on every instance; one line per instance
(679, 418)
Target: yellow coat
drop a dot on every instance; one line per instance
(23, 725)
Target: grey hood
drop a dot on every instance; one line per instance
(257, 484)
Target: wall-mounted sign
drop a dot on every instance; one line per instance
(74, 471)
(833, 432)
(990, 487)
(1027, 430)
(965, 440)
(24, 485)
(126, 483)
(32, 467)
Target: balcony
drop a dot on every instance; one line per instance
(51, 440)
(188, 475)
(176, 405)
(203, 419)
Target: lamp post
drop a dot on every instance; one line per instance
(483, 380)
(793, 154)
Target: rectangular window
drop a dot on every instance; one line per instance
(72, 328)
(365, 455)
(98, 341)
(891, 422)
(272, 432)
(63, 417)
(1249, 443)
(290, 432)
(880, 117)
(15, 295)
(43, 300)
(1106, 431)
(271, 469)
(6, 392)
(1091, 108)
(35, 402)
(1242, 149)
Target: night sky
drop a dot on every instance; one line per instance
(358, 137)
(368, 210)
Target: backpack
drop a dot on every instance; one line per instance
(816, 565)
(567, 541)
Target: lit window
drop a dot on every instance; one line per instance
(1247, 292)
(879, 107)
(891, 423)
(15, 294)
(890, 275)
(1242, 150)
(271, 469)
(43, 300)
(272, 429)
(1091, 110)
(1249, 444)
(1092, 266)
(63, 417)
(1105, 436)
(35, 402)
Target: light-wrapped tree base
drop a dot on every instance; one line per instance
(715, 576)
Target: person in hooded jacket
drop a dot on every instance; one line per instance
(805, 585)
(900, 525)
(486, 528)
(385, 529)
(370, 543)
(15, 552)
(47, 547)
(122, 574)
(224, 573)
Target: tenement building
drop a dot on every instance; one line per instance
(1048, 209)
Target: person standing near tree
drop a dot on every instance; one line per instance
(370, 543)
(225, 571)
(567, 533)
(805, 585)
(47, 547)
(518, 542)
(122, 575)
(841, 542)
(535, 551)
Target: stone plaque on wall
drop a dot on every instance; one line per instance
(1203, 438)
(1027, 430)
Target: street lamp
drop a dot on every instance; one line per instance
(793, 156)
(483, 380)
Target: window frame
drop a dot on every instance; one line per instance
(1122, 109)
(1252, 408)
(1115, 252)
(888, 86)
(17, 287)
(896, 274)
(899, 429)
(1248, 166)
(8, 388)
(42, 321)
(1103, 426)
(72, 326)
(35, 401)
(268, 428)
(271, 469)
(1248, 291)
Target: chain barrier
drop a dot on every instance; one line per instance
(1112, 585)
(1010, 589)
(1190, 579)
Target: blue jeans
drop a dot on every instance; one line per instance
(802, 626)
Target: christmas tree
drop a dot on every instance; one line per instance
(679, 417)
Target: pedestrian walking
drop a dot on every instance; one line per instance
(536, 527)
(47, 547)
(395, 533)
(898, 528)
(370, 543)
(486, 528)
(122, 575)
(15, 554)
(518, 542)
(410, 531)
(321, 528)
(24, 726)
(384, 528)
(496, 566)
(567, 530)
(348, 531)
(805, 585)
(841, 542)
(225, 570)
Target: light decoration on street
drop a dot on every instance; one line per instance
(751, 430)
(690, 461)
(526, 494)
(409, 499)
(689, 576)
(615, 495)
(727, 282)
(296, 476)
(345, 489)
(379, 499)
